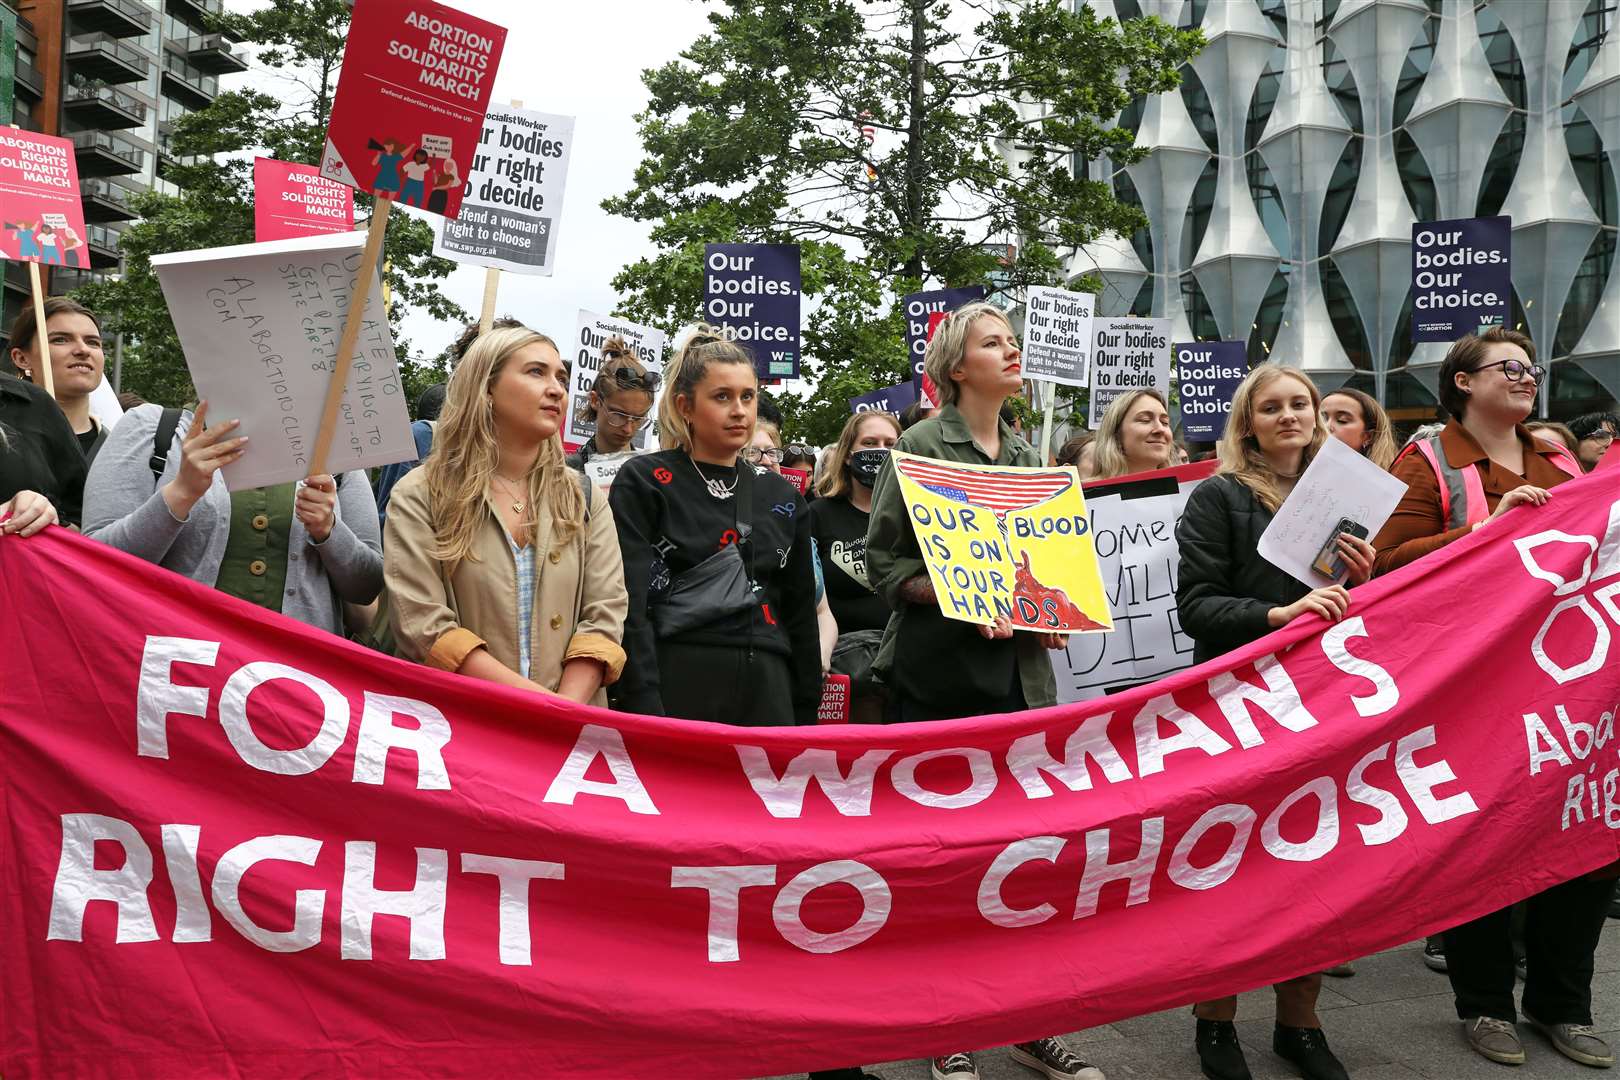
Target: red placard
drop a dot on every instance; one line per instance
(799, 478)
(416, 82)
(291, 199)
(834, 707)
(39, 200)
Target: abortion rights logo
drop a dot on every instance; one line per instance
(1566, 647)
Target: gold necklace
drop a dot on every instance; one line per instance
(517, 503)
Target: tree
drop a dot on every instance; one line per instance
(755, 134)
(209, 156)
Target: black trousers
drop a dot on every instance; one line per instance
(725, 684)
(906, 710)
(1561, 931)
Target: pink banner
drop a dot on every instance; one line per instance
(291, 200)
(230, 845)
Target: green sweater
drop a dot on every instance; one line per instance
(942, 662)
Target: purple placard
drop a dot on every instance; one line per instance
(920, 305)
(891, 399)
(1461, 276)
(752, 292)
(1207, 375)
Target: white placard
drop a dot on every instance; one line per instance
(1127, 355)
(1057, 336)
(1339, 483)
(513, 200)
(437, 146)
(646, 342)
(1135, 539)
(604, 467)
(259, 324)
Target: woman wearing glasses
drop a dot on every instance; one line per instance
(1484, 462)
(1481, 465)
(620, 404)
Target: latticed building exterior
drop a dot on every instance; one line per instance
(1308, 136)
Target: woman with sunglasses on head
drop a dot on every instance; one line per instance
(502, 565)
(717, 561)
(1483, 464)
(620, 404)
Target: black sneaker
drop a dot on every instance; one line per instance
(954, 1067)
(1307, 1049)
(1057, 1061)
(1220, 1055)
(1434, 956)
(1614, 904)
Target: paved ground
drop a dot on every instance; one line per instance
(1392, 1020)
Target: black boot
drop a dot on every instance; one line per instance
(1219, 1054)
(1307, 1048)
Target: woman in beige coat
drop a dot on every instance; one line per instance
(500, 562)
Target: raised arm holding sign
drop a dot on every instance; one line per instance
(409, 110)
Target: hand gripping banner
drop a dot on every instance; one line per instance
(230, 845)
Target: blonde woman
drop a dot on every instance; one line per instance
(501, 563)
(1227, 596)
(1357, 420)
(1134, 436)
(722, 623)
(938, 668)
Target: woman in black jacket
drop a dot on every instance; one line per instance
(742, 647)
(1228, 596)
(41, 466)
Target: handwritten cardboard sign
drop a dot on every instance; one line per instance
(410, 103)
(514, 194)
(259, 324)
(1338, 483)
(39, 200)
(1001, 540)
(291, 199)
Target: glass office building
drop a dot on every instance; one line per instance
(1284, 178)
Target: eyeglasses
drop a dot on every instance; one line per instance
(1602, 436)
(629, 380)
(754, 455)
(629, 420)
(1516, 370)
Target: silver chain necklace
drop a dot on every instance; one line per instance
(716, 488)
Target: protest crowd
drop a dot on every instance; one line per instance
(703, 585)
(649, 536)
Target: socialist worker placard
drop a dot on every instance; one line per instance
(410, 102)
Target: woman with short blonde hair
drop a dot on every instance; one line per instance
(502, 564)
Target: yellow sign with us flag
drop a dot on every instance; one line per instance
(1003, 540)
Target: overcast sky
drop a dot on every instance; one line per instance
(583, 61)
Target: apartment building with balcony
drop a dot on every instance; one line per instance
(113, 76)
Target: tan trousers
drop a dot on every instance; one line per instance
(1296, 1003)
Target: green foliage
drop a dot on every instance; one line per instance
(209, 157)
(754, 135)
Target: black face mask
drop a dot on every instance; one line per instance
(864, 465)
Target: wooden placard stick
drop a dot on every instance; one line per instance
(492, 283)
(42, 337)
(344, 359)
(492, 279)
